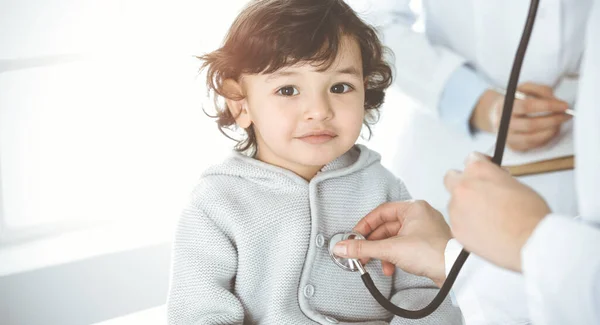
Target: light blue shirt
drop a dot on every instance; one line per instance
(461, 94)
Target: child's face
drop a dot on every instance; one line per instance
(304, 118)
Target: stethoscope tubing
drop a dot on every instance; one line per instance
(497, 159)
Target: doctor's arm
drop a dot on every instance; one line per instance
(421, 68)
(561, 266)
(498, 218)
(442, 80)
(561, 259)
(203, 268)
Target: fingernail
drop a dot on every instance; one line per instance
(452, 173)
(473, 157)
(340, 250)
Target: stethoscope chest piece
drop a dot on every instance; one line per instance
(347, 264)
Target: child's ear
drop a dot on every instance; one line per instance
(237, 103)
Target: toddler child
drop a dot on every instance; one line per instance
(300, 77)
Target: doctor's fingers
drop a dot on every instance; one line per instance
(452, 179)
(533, 89)
(386, 212)
(475, 169)
(384, 231)
(533, 105)
(388, 268)
(481, 167)
(528, 141)
(534, 124)
(385, 250)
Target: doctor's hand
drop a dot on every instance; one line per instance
(526, 130)
(491, 213)
(410, 235)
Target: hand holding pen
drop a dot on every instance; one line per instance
(536, 118)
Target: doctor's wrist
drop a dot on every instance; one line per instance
(480, 119)
(451, 252)
(448, 254)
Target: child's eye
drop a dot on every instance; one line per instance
(341, 88)
(288, 91)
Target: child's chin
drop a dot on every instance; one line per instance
(320, 157)
(317, 161)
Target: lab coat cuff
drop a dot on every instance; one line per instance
(453, 249)
(540, 248)
(460, 96)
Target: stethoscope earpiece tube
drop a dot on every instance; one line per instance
(497, 159)
(511, 88)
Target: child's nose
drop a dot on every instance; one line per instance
(319, 109)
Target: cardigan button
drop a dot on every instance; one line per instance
(320, 240)
(309, 290)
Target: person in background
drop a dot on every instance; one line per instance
(457, 68)
(507, 226)
(459, 64)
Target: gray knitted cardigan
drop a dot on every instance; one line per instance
(251, 247)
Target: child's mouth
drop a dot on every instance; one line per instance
(317, 139)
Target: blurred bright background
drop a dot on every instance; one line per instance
(102, 110)
(102, 137)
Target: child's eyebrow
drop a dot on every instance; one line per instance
(280, 74)
(348, 70)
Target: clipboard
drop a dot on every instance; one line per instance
(557, 155)
(544, 166)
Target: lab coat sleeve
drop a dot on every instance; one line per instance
(421, 69)
(561, 267)
(460, 96)
(561, 259)
(485, 293)
(203, 270)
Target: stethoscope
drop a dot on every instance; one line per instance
(354, 265)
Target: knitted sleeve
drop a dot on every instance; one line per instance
(414, 292)
(203, 271)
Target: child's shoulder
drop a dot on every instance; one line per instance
(378, 171)
(373, 163)
(219, 176)
(238, 176)
(216, 186)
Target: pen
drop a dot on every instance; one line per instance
(523, 96)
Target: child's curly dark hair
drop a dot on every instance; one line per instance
(271, 34)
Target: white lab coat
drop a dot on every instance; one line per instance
(561, 260)
(485, 34)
